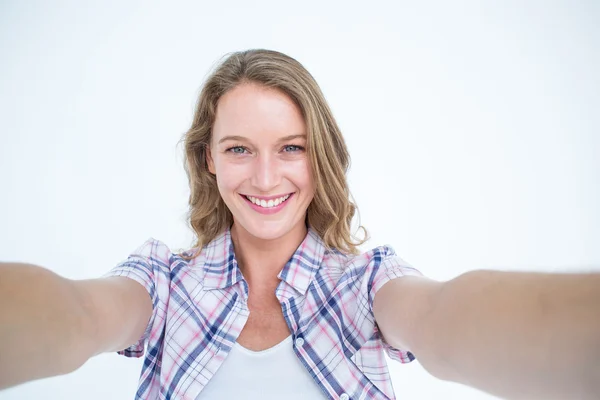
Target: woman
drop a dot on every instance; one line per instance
(275, 299)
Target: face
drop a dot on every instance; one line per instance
(258, 154)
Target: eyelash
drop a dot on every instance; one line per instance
(229, 150)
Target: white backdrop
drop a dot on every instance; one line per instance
(473, 130)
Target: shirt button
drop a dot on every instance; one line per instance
(344, 396)
(299, 342)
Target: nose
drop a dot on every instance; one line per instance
(266, 175)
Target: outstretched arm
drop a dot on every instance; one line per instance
(51, 325)
(516, 335)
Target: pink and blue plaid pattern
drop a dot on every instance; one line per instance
(200, 308)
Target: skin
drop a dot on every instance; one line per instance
(252, 153)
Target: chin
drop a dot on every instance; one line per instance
(268, 230)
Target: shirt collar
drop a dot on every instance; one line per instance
(300, 269)
(220, 268)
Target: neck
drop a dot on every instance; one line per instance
(261, 260)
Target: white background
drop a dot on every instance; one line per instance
(473, 129)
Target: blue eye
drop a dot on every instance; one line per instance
(294, 148)
(237, 149)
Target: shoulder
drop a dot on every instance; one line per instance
(372, 259)
(152, 248)
(369, 270)
(158, 255)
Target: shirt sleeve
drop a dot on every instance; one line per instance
(387, 265)
(145, 266)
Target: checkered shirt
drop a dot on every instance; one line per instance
(200, 308)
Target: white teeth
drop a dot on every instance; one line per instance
(269, 203)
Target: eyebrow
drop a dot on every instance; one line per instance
(244, 139)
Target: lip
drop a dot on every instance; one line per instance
(271, 210)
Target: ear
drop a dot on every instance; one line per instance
(209, 161)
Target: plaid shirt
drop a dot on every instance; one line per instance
(200, 308)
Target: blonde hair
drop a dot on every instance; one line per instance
(331, 211)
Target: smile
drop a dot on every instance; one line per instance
(268, 203)
(267, 207)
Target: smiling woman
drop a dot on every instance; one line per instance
(275, 262)
(275, 293)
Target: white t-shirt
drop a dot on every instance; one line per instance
(274, 373)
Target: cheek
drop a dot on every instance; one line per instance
(227, 185)
(302, 175)
(229, 171)
(227, 179)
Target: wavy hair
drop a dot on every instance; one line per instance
(331, 211)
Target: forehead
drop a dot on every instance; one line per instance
(257, 112)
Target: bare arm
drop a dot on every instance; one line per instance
(515, 335)
(50, 325)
